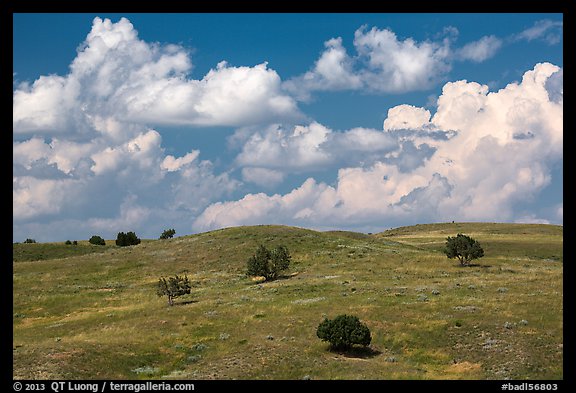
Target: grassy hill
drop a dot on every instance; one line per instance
(94, 313)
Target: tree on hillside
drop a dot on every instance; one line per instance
(464, 248)
(127, 239)
(29, 241)
(344, 331)
(97, 240)
(173, 287)
(268, 264)
(168, 234)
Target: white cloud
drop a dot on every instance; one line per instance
(499, 149)
(275, 147)
(395, 65)
(332, 71)
(383, 64)
(172, 163)
(116, 77)
(547, 30)
(406, 117)
(481, 50)
(303, 202)
(43, 105)
(312, 147)
(93, 161)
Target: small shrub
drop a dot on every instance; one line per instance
(168, 234)
(97, 240)
(344, 331)
(29, 241)
(268, 264)
(75, 243)
(173, 287)
(68, 242)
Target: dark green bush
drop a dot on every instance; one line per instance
(97, 240)
(29, 241)
(464, 248)
(344, 331)
(127, 239)
(268, 263)
(168, 234)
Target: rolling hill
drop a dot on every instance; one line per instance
(93, 313)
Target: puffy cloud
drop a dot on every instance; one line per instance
(98, 164)
(332, 71)
(172, 163)
(276, 147)
(308, 148)
(383, 64)
(406, 117)
(42, 106)
(94, 162)
(34, 197)
(481, 50)
(498, 149)
(225, 96)
(116, 77)
(301, 203)
(395, 65)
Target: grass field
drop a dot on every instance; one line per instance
(93, 313)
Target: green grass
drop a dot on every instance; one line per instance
(97, 316)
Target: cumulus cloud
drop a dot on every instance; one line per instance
(306, 148)
(263, 209)
(115, 74)
(92, 152)
(406, 117)
(383, 63)
(87, 155)
(478, 170)
(332, 71)
(395, 65)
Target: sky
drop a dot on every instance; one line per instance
(362, 122)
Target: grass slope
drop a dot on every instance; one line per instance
(97, 316)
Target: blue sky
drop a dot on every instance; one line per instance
(143, 122)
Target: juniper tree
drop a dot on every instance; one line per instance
(464, 248)
(344, 331)
(167, 234)
(268, 263)
(127, 239)
(97, 240)
(173, 287)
